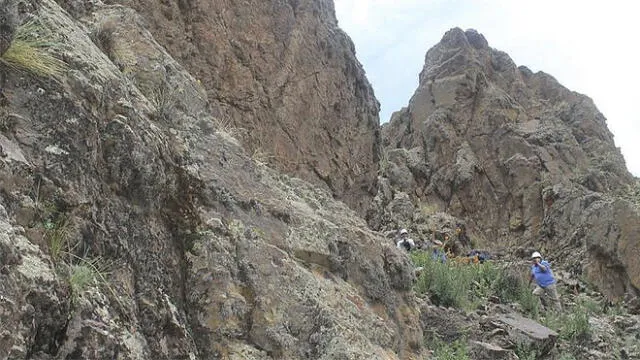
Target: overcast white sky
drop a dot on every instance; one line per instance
(591, 47)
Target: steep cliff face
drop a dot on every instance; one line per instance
(285, 77)
(488, 142)
(132, 226)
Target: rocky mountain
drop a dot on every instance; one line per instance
(149, 209)
(133, 225)
(516, 157)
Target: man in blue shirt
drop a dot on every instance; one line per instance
(545, 281)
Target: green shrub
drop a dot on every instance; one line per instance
(456, 350)
(576, 325)
(81, 276)
(571, 325)
(508, 286)
(454, 284)
(465, 285)
(28, 51)
(530, 303)
(525, 352)
(446, 284)
(590, 305)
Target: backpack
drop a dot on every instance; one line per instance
(406, 245)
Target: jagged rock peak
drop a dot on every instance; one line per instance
(457, 37)
(498, 146)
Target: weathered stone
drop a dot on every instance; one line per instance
(484, 351)
(604, 230)
(285, 77)
(33, 302)
(528, 333)
(8, 23)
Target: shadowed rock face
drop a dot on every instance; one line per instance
(482, 139)
(8, 23)
(286, 77)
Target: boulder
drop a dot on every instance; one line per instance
(485, 351)
(528, 333)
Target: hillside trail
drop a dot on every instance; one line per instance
(591, 326)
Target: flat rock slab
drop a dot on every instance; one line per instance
(528, 332)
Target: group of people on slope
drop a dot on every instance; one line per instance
(436, 247)
(459, 246)
(540, 271)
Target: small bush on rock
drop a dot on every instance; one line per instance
(576, 326)
(454, 284)
(464, 285)
(81, 276)
(103, 36)
(456, 350)
(572, 325)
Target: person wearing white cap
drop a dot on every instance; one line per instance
(545, 281)
(405, 242)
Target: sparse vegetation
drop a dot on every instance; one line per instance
(383, 163)
(261, 158)
(631, 193)
(80, 271)
(103, 36)
(56, 234)
(467, 285)
(456, 350)
(29, 51)
(226, 126)
(80, 277)
(164, 99)
(525, 352)
(572, 324)
(566, 357)
(428, 209)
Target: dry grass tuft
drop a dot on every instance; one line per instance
(103, 36)
(28, 52)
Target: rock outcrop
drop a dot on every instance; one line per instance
(515, 156)
(132, 226)
(284, 77)
(8, 23)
